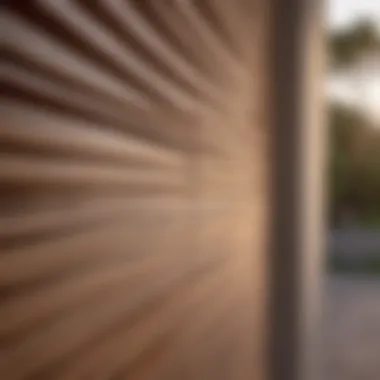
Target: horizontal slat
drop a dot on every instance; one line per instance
(29, 170)
(63, 135)
(92, 212)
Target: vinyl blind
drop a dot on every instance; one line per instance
(133, 183)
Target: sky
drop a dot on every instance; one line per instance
(363, 88)
(341, 13)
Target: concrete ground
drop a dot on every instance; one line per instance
(352, 328)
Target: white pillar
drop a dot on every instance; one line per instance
(297, 232)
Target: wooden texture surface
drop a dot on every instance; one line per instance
(133, 183)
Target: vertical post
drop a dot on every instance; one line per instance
(297, 220)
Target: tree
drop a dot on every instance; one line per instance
(354, 162)
(345, 46)
(354, 165)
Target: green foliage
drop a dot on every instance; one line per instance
(345, 46)
(354, 165)
(354, 162)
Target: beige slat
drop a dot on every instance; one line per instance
(64, 135)
(25, 39)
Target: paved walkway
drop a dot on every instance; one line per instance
(355, 243)
(352, 328)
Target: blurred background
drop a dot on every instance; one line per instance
(353, 257)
